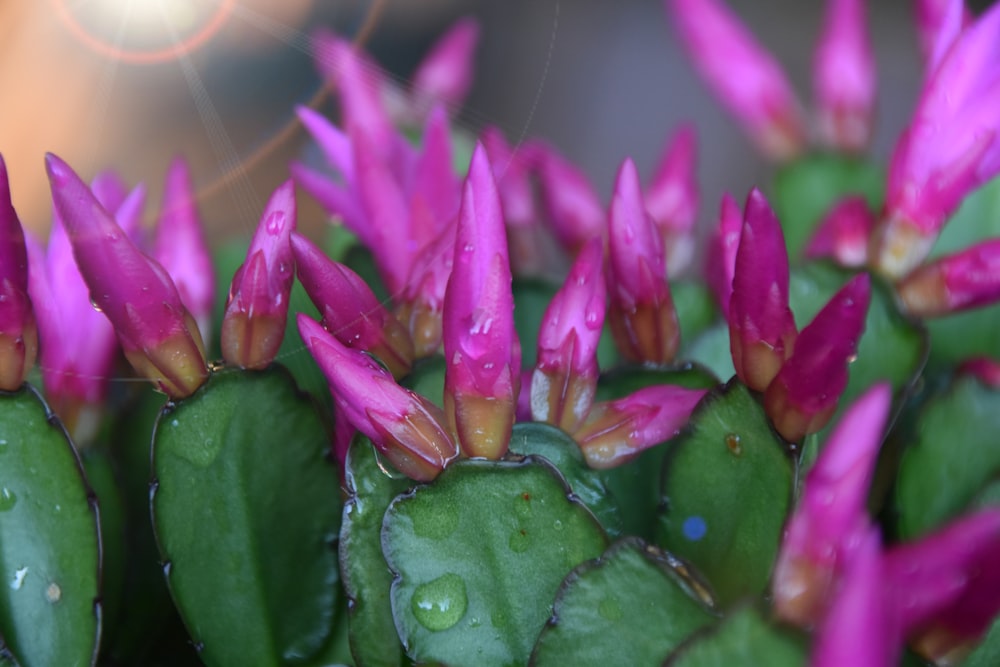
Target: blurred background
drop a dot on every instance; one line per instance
(128, 84)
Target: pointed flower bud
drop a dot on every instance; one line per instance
(722, 246)
(511, 169)
(761, 327)
(480, 343)
(421, 304)
(672, 198)
(18, 331)
(445, 74)
(349, 308)
(570, 202)
(358, 83)
(642, 316)
(946, 586)
(932, 19)
(844, 233)
(159, 337)
(617, 431)
(565, 377)
(803, 396)
(127, 206)
(984, 369)
(180, 247)
(856, 629)
(844, 77)
(436, 189)
(742, 75)
(405, 427)
(967, 279)
(257, 308)
(950, 148)
(830, 522)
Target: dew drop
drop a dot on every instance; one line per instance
(18, 580)
(7, 499)
(609, 609)
(95, 306)
(166, 569)
(557, 525)
(53, 593)
(440, 604)
(733, 444)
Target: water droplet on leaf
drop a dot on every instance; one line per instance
(7, 499)
(440, 604)
(733, 444)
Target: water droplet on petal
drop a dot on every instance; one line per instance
(441, 603)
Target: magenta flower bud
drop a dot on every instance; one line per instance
(803, 396)
(565, 377)
(672, 198)
(855, 630)
(445, 74)
(642, 316)
(844, 233)
(480, 343)
(358, 83)
(78, 343)
(615, 432)
(111, 190)
(964, 280)
(949, 149)
(349, 308)
(180, 247)
(762, 330)
(421, 304)
(722, 246)
(159, 337)
(933, 18)
(984, 369)
(571, 205)
(830, 522)
(512, 171)
(253, 325)
(436, 190)
(405, 427)
(742, 74)
(18, 331)
(844, 77)
(945, 588)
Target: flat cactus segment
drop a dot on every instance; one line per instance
(633, 606)
(50, 550)
(246, 509)
(478, 556)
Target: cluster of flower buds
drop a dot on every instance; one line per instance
(801, 373)
(18, 331)
(937, 592)
(753, 87)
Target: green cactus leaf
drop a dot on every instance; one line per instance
(478, 556)
(727, 487)
(246, 510)
(633, 606)
(371, 486)
(987, 653)
(50, 551)
(951, 459)
(561, 450)
(806, 189)
(743, 638)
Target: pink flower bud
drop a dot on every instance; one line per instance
(158, 335)
(480, 343)
(565, 377)
(642, 316)
(744, 77)
(570, 202)
(180, 247)
(405, 427)
(672, 198)
(257, 308)
(615, 432)
(722, 246)
(349, 308)
(844, 234)
(830, 523)
(964, 280)
(762, 330)
(445, 74)
(18, 331)
(844, 77)
(803, 396)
